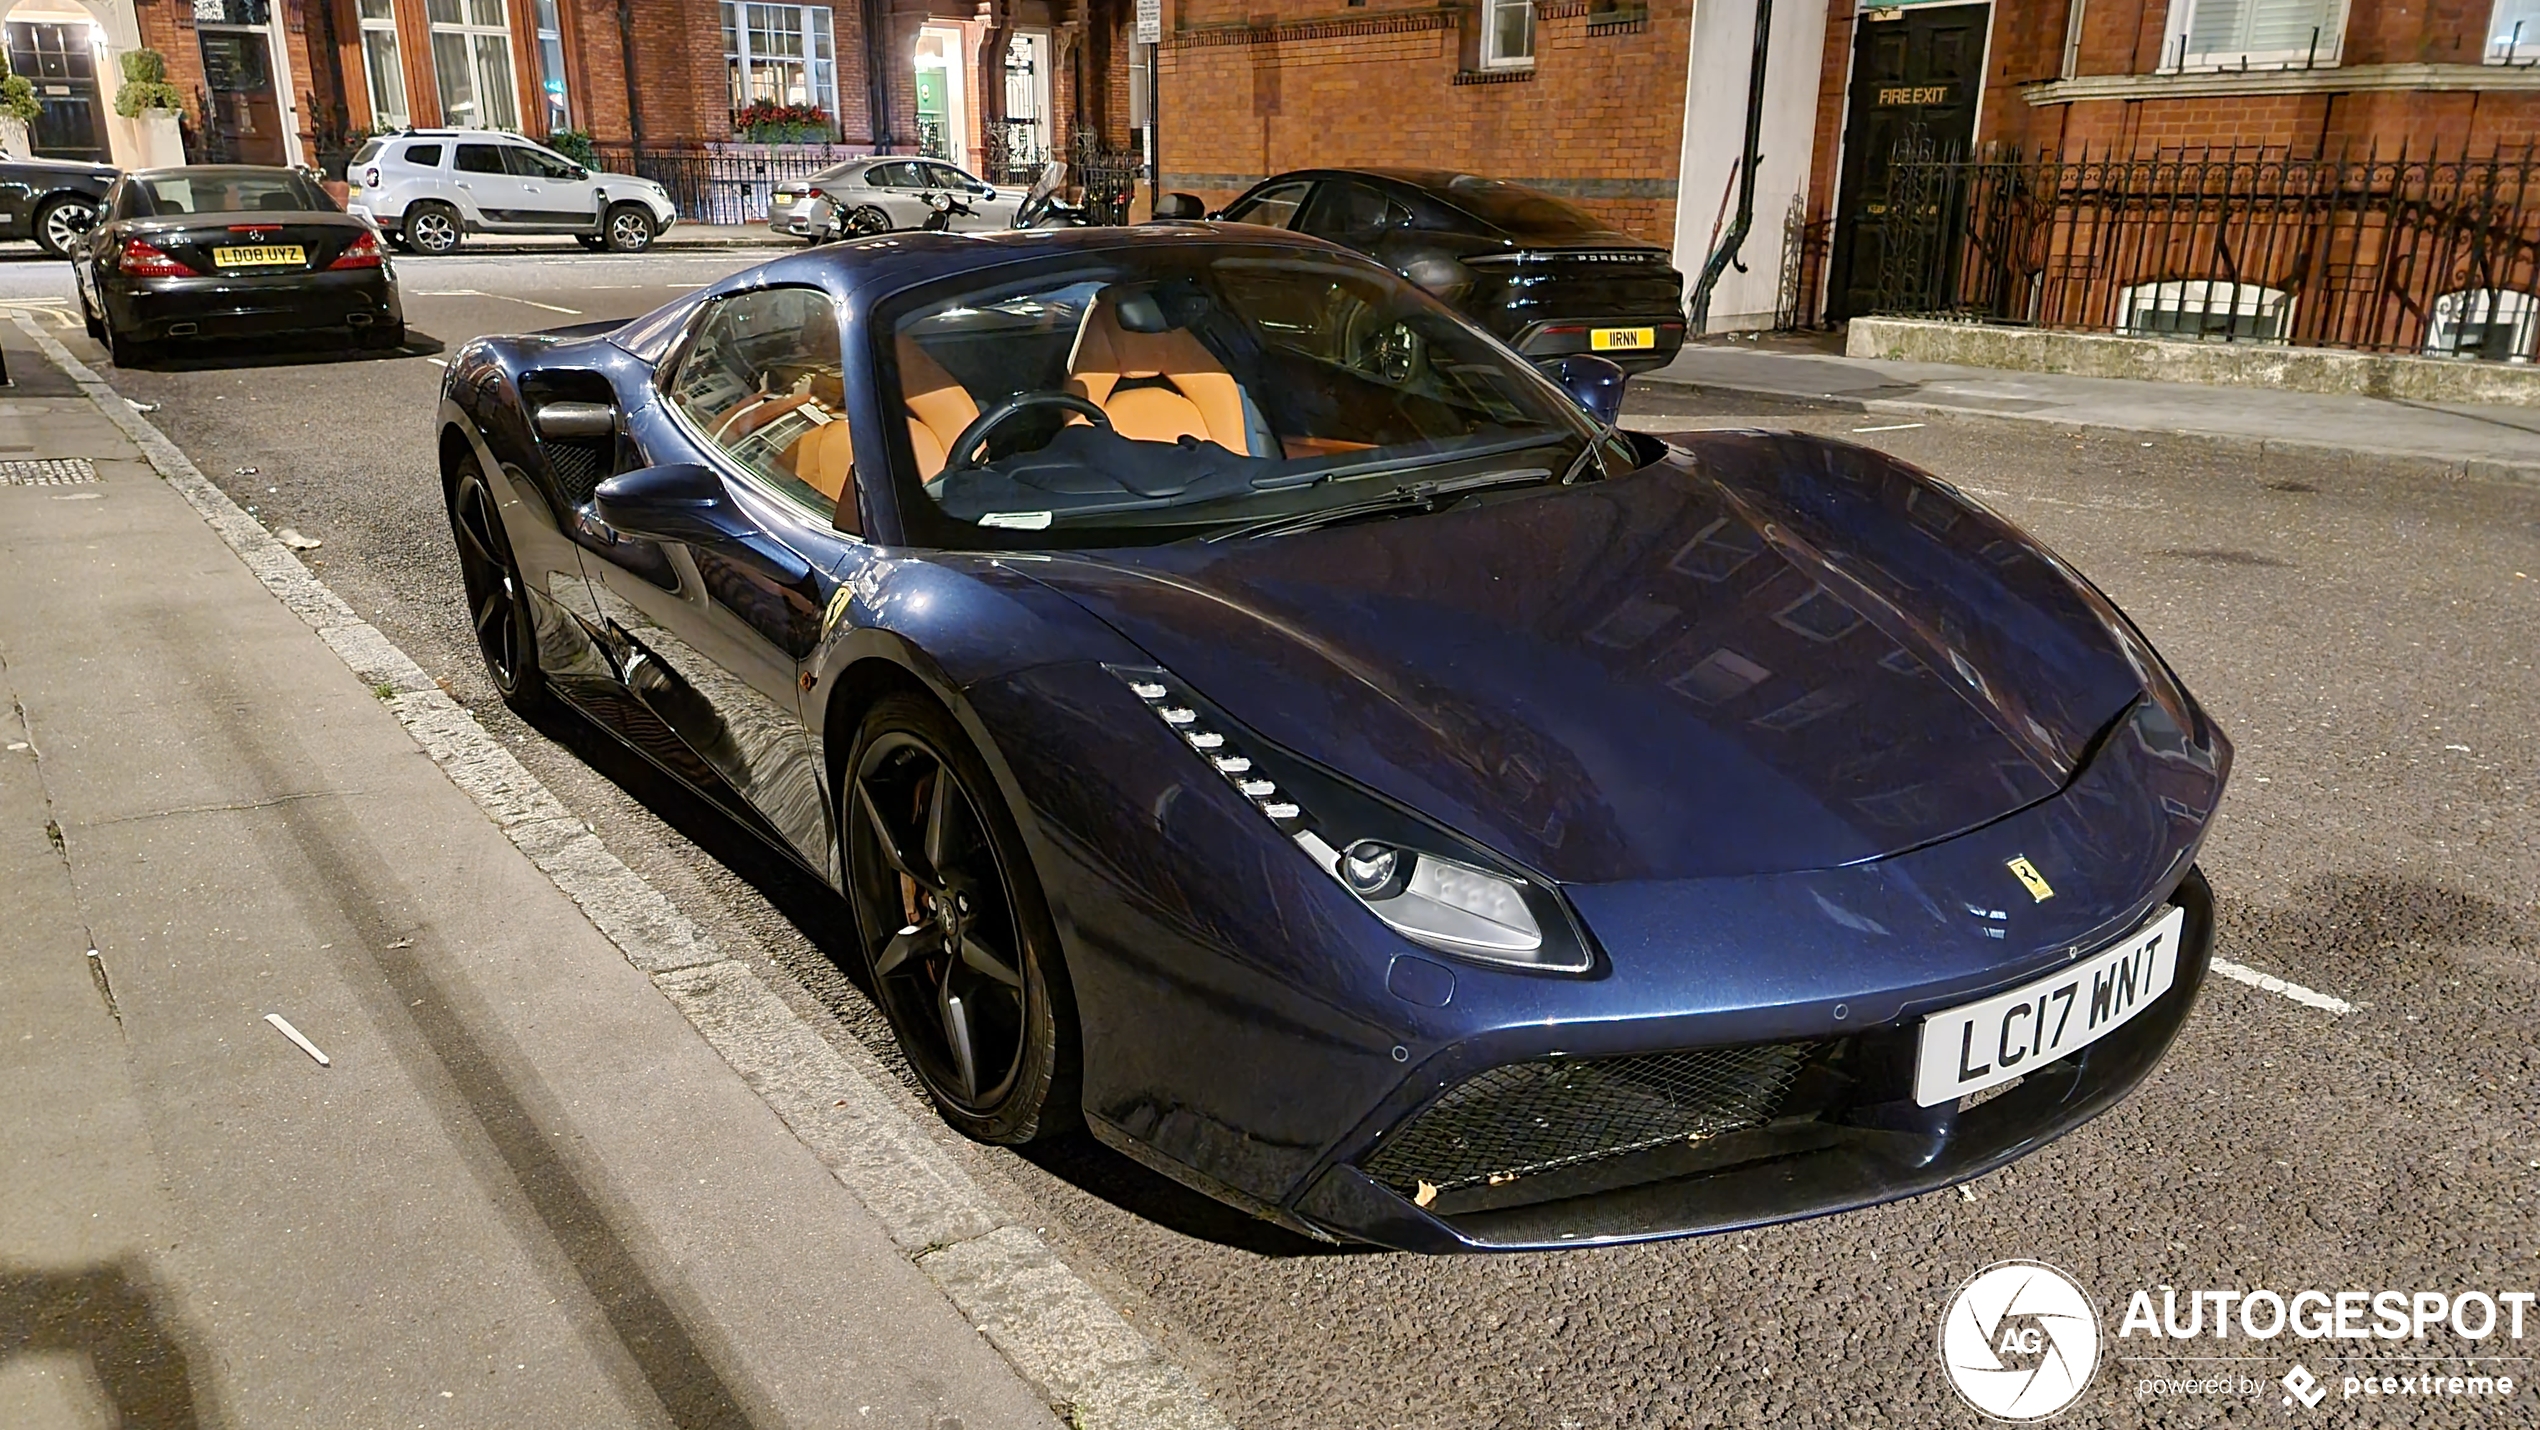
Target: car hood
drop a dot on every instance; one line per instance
(1762, 653)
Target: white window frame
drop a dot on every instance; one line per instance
(1493, 57)
(555, 106)
(820, 69)
(2482, 306)
(382, 117)
(2513, 32)
(2207, 297)
(470, 32)
(2177, 56)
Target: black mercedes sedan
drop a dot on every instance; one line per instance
(1546, 277)
(229, 251)
(52, 201)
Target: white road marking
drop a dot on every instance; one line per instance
(283, 1026)
(506, 297)
(436, 362)
(1891, 427)
(2268, 982)
(48, 307)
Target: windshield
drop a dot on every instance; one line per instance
(1522, 212)
(1138, 397)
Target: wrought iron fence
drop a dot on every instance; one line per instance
(1014, 152)
(1108, 177)
(718, 183)
(2401, 253)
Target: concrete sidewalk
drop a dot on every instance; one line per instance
(2477, 441)
(522, 1188)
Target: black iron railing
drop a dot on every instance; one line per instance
(717, 183)
(2388, 253)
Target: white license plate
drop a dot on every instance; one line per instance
(1980, 1045)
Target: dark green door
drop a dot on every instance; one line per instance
(1916, 72)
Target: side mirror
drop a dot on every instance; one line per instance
(1179, 208)
(1592, 382)
(576, 419)
(680, 501)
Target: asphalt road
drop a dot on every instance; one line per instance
(2364, 633)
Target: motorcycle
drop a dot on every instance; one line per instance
(1043, 208)
(942, 208)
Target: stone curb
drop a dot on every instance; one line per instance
(1053, 1327)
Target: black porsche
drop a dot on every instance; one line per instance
(228, 251)
(1548, 278)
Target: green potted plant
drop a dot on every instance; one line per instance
(576, 144)
(147, 98)
(18, 108)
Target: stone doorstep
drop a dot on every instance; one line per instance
(2285, 369)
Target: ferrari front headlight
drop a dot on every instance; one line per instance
(1423, 882)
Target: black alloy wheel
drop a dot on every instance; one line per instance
(865, 220)
(432, 228)
(955, 932)
(497, 606)
(630, 229)
(62, 224)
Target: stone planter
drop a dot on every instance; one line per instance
(162, 140)
(13, 137)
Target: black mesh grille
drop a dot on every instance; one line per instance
(1526, 1118)
(579, 468)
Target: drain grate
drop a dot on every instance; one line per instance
(48, 472)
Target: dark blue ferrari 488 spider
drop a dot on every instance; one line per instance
(1252, 713)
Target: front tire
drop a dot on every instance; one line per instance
(630, 229)
(497, 600)
(432, 228)
(62, 223)
(955, 931)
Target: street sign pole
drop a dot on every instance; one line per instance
(1150, 16)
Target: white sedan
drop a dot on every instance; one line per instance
(880, 194)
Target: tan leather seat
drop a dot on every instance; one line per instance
(1180, 388)
(824, 458)
(939, 407)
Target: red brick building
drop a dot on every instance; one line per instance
(285, 81)
(1637, 109)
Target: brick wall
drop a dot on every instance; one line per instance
(1600, 118)
(2121, 39)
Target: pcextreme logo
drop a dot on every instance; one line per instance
(2020, 1341)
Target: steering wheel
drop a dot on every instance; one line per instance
(973, 441)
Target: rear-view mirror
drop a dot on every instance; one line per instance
(679, 501)
(1592, 382)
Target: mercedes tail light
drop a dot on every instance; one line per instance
(143, 260)
(362, 252)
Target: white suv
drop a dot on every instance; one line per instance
(428, 188)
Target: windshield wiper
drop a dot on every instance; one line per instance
(1595, 445)
(1410, 496)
